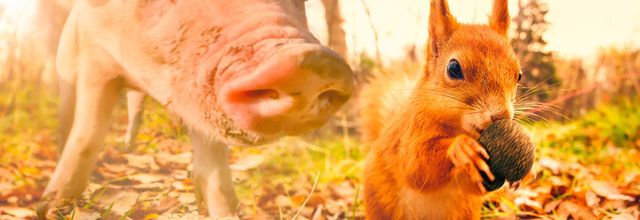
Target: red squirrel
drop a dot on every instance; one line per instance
(424, 160)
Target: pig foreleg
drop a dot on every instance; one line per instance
(95, 101)
(212, 176)
(135, 101)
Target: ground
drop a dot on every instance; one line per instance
(587, 168)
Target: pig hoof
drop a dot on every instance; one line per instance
(45, 209)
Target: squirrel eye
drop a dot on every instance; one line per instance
(454, 71)
(519, 75)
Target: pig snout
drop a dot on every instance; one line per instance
(295, 90)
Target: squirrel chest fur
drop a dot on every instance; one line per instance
(421, 128)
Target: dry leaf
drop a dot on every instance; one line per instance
(5, 189)
(85, 214)
(117, 168)
(550, 164)
(120, 201)
(528, 204)
(283, 201)
(183, 186)
(21, 213)
(187, 198)
(551, 206)
(166, 205)
(247, 162)
(608, 191)
(143, 162)
(624, 216)
(576, 211)
(149, 186)
(317, 215)
(174, 161)
(180, 174)
(591, 198)
(146, 178)
(343, 190)
(316, 199)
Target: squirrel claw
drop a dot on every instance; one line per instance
(481, 187)
(465, 152)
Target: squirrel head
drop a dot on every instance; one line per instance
(471, 71)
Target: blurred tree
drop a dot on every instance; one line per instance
(575, 102)
(335, 31)
(619, 71)
(529, 44)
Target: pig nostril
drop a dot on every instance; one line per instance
(261, 94)
(332, 97)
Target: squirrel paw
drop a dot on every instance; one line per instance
(468, 155)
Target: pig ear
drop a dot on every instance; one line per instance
(441, 25)
(499, 20)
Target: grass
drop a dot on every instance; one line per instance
(605, 141)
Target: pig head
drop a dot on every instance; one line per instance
(242, 71)
(238, 72)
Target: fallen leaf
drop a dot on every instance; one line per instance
(623, 216)
(343, 190)
(85, 214)
(247, 162)
(306, 211)
(317, 215)
(630, 176)
(116, 168)
(591, 198)
(146, 178)
(528, 204)
(120, 201)
(187, 198)
(13, 200)
(608, 191)
(283, 201)
(183, 185)
(550, 164)
(613, 204)
(174, 161)
(180, 174)
(149, 186)
(558, 190)
(151, 216)
(551, 206)
(111, 171)
(166, 204)
(92, 187)
(143, 162)
(316, 199)
(21, 213)
(5, 189)
(576, 211)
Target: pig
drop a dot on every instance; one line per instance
(237, 73)
(135, 101)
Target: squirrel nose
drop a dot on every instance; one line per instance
(500, 116)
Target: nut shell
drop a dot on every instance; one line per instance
(511, 152)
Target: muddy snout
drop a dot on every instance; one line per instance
(294, 91)
(334, 81)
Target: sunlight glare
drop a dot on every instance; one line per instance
(16, 15)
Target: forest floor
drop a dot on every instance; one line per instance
(587, 168)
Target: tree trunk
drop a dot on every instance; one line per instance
(334, 27)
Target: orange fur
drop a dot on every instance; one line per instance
(409, 121)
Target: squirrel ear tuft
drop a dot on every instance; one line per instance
(441, 25)
(499, 20)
